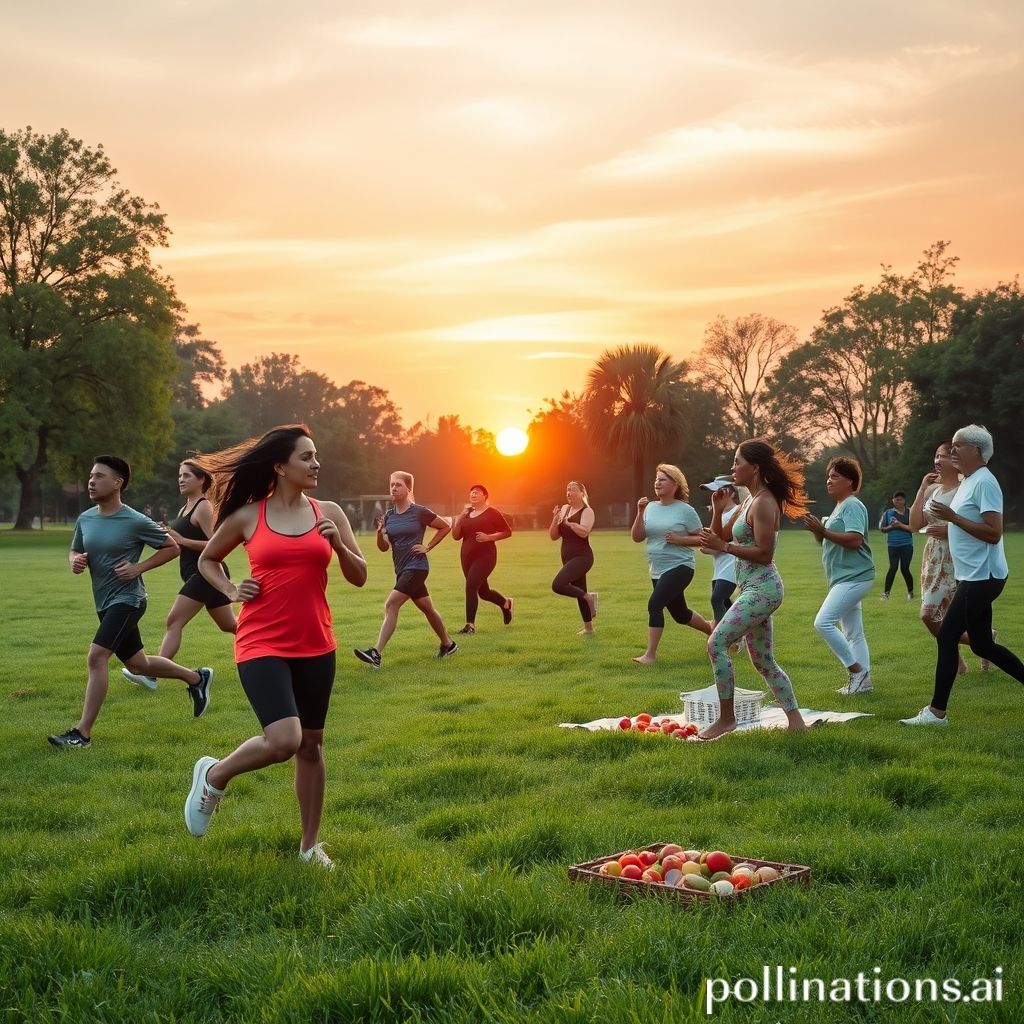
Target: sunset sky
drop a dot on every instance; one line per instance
(465, 203)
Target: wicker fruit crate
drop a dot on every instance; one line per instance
(701, 707)
(798, 874)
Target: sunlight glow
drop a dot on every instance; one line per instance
(511, 441)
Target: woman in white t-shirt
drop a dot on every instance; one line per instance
(723, 572)
(671, 528)
(975, 524)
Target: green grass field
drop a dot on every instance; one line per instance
(455, 805)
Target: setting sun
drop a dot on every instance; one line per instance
(511, 441)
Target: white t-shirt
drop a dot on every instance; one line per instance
(725, 565)
(975, 559)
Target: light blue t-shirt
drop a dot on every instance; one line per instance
(660, 519)
(109, 540)
(975, 559)
(848, 565)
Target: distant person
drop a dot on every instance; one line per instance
(938, 577)
(776, 487)
(975, 520)
(285, 645)
(671, 529)
(895, 523)
(723, 572)
(108, 541)
(849, 571)
(401, 529)
(190, 530)
(480, 527)
(571, 523)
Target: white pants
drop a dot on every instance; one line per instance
(841, 624)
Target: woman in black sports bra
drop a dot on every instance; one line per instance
(572, 523)
(190, 530)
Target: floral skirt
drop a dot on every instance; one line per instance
(937, 579)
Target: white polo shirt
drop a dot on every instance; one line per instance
(975, 559)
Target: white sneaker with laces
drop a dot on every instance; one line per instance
(926, 717)
(317, 855)
(860, 682)
(149, 682)
(202, 799)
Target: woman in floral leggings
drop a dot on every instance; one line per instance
(776, 486)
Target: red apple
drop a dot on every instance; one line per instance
(650, 875)
(647, 858)
(631, 871)
(625, 723)
(670, 848)
(718, 861)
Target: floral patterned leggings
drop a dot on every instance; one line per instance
(750, 618)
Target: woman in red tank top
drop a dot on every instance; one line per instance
(284, 646)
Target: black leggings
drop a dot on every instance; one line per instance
(899, 558)
(721, 597)
(970, 612)
(477, 570)
(571, 581)
(670, 593)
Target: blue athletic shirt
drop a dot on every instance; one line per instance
(405, 530)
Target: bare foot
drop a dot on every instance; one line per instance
(584, 632)
(644, 659)
(717, 728)
(796, 722)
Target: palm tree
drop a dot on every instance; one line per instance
(634, 404)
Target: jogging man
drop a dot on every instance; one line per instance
(108, 541)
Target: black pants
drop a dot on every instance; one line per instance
(899, 558)
(477, 570)
(721, 597)
(970, 612)
(571, 581)
(670, 595)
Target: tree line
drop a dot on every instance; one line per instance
(97, 354)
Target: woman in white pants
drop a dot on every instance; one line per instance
(849, 570)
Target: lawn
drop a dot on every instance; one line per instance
(455, 805)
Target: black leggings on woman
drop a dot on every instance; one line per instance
(900, 558)
(571, 581)
(477, 570)
(970, 612)
(721, 597)
(670, 593)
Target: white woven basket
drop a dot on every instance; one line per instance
(701, 707)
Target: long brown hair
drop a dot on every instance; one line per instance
(780, 474)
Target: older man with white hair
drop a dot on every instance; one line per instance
(975, 517)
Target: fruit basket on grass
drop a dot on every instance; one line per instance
(688, 876)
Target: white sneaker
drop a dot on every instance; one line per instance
(926, 717)
(860, 682)
(149, 682)
(316, 855)
(202, 799)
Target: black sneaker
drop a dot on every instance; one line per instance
(507, 611)
(200, 692)
(70, 740)
(444, 652)
(371, 656)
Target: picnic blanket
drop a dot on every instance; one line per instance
(771, 718)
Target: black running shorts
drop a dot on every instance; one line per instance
(119, 630)
(289, 688)
(197, 589)
(413, 583)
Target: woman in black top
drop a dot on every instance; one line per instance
(572, 522)
(480, 526)
(190, 530)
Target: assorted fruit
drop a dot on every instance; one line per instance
(700, 871)
(663, 725)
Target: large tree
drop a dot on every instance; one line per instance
(635, 405)
(848, 385)
(735, 362)
(86, 321)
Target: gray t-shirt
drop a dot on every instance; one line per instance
(110, 540)
(659, 519)
(405, 530)
(847, 565)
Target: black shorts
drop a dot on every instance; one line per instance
(198, 589)
(289, 688)
(119, 630)
(413, 583)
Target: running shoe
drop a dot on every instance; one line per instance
(446, 651)
(200, 692)
(926, 717)
(508, 610)
(149, 682)
(860, 682)
(202, 799)
(910, 597)
(70, 740)
(318, 856)
(371, 656)
(885, 597)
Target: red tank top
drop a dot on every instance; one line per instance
(291, 617)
